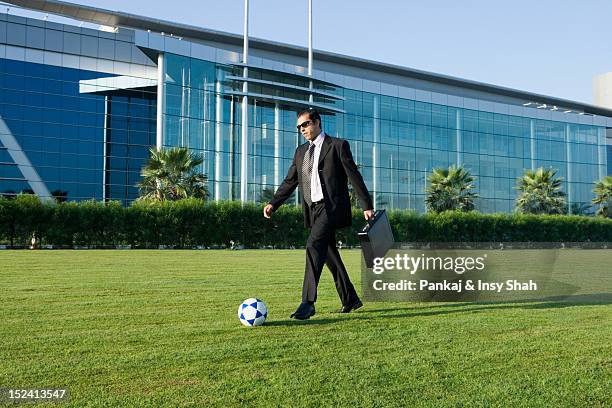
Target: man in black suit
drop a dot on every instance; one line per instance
(322, 167)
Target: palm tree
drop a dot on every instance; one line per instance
(581, 209)
(603, 196)
(450, 189)
(171, 174)
(540, 192)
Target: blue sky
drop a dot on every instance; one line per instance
(549, 47)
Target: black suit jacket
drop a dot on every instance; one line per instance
(336, 167)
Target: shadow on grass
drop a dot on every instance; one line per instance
(450, 308)
(312, 321)
(540, 303)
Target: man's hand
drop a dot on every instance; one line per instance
(368, 214)
(268, 211)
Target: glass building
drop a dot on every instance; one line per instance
(80, 107)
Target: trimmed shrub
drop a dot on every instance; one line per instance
(191, 222)
(23, 218)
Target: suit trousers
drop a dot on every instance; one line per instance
(321, 250)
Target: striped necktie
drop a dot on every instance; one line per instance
(307, 165)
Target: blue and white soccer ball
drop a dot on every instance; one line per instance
(252, 312)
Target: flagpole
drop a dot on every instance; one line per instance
(310, 98)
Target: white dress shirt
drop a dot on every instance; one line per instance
(316, 191)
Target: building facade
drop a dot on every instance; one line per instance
(80, 107)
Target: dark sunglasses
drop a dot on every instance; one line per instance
(304, 124)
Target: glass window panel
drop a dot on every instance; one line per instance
(14, 112)
(486, 186)
(12, 187)
(388, 156)
(368, 128)
(487, 165)
(202, 75)
(500, 124)
(419, 183)
(10, 171)
(16, 34)
(388, 132)
(89, 46)
(123, 51)
(14, 82)
(53, 40)
(405, 181)
(173, 99)
(33, 114)
(353, 102)
(501, 144)
(177, 69)
(486, 143)
(502, 167)
(2, 32)
(423, 136)
(371, 105)
(470, 120)
(440, 159)
(438, 116)
(35, 37)
(290, 143)
(406, 134)
(106, 48)
(367, 154)
(268, 139)
(485, 122)
(405, 109)
(388, 108)
(387, 180)
(452, 139)
(366, 172)
(406, 158)
(440, 138)
(515, 168)
(452, 117)
(353, 127)
(423, 160)
(515, 147)
(471, 162)
(558, 151)
(422, 112)
(139, 57)
(266, 116)
(515, 127)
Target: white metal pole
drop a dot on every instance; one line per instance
(310, 98)
(569, 173)
(219, 155)
(161, 88)
(107, 113)
(375, 151)
(277, 146)
(532, 143)
(459, 138)
(245, 110)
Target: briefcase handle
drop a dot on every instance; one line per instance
(370, 222)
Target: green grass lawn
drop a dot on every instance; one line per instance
(159, 328)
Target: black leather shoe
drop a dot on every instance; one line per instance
(304, 311)
(353, 306)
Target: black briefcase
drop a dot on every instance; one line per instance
(376, 238)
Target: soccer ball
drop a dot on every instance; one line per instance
(252, 312)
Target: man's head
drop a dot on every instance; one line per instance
(309, 124)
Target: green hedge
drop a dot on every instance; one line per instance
(190, 223)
